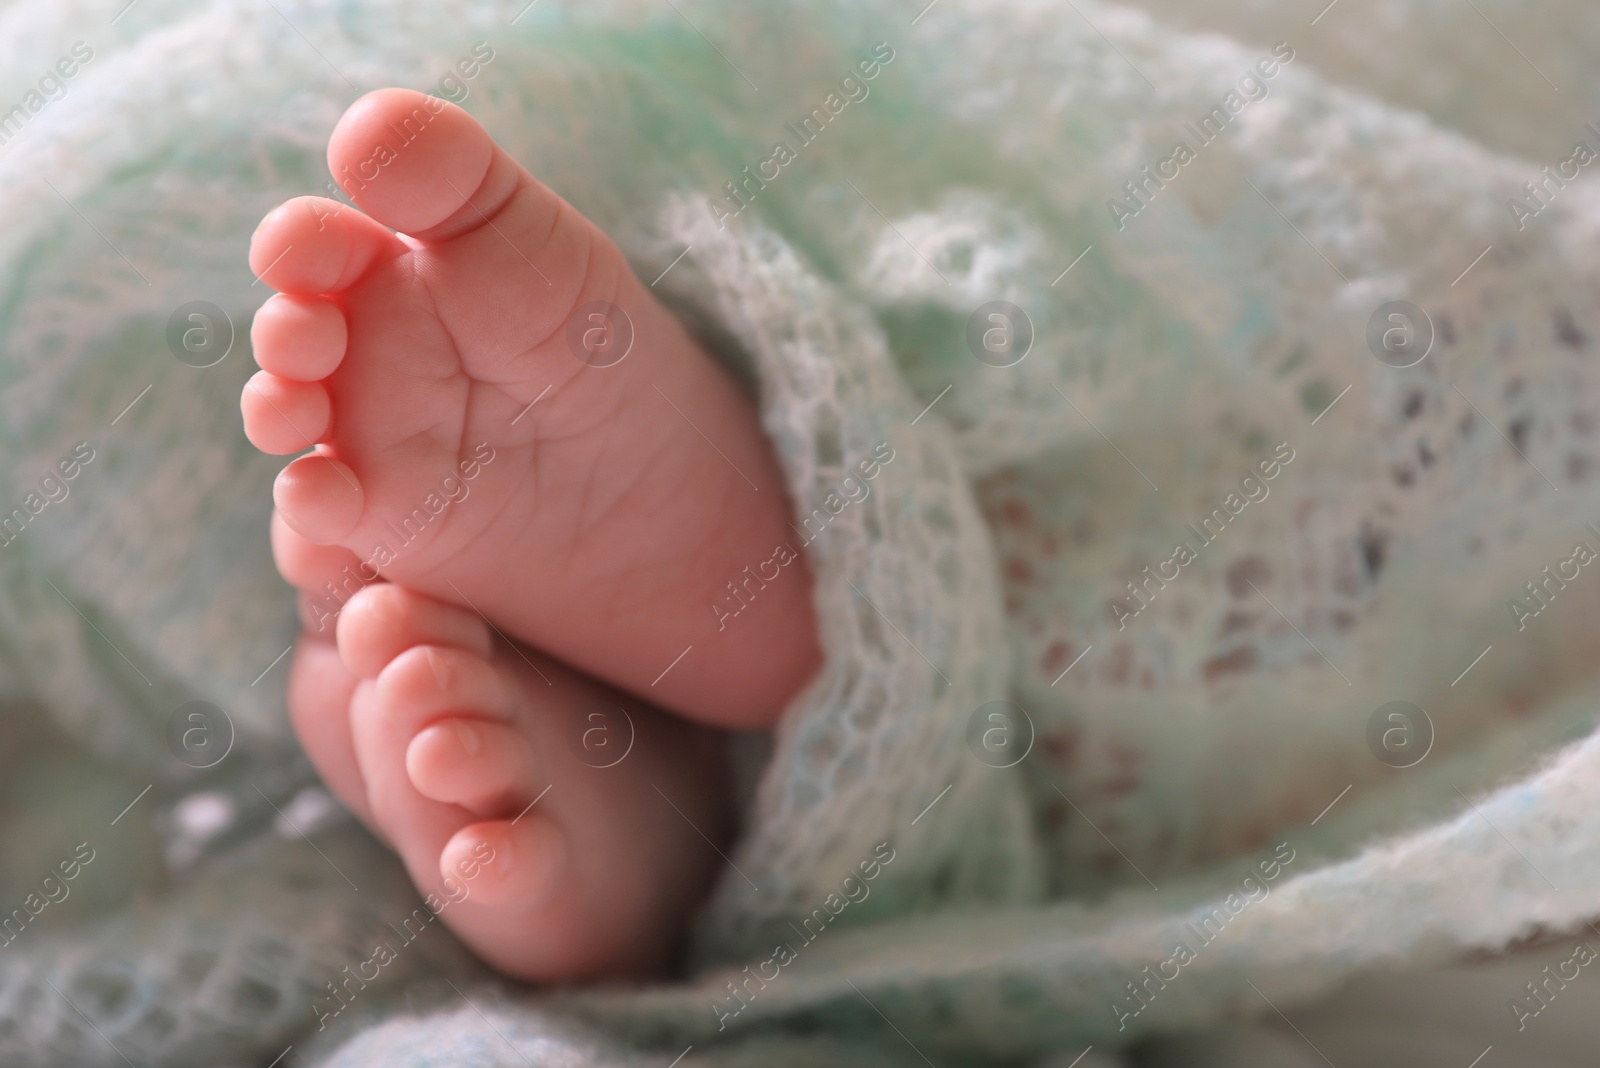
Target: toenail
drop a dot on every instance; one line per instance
(440, 666)
(470, 741)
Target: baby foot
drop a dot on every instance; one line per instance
(551, 861)
(464, 450)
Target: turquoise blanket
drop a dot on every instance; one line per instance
(1212, 630)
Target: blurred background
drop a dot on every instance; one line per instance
(1383, 260)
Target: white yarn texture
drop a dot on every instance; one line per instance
(1173, 750)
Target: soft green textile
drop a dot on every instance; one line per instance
(1216, 734)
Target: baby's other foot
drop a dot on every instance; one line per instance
(553, 825)
(463, 449)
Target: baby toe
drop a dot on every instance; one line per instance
(383, 621)
(281, 416)
(427, 682)
(519, 861)
(312, 245)
(411, 160)
(310, 567)
(475, 763)
(319, 497)
(299, 338)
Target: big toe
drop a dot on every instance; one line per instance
(382, 621)
(419, 164)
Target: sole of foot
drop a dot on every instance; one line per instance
(441, 350)
(563, 831)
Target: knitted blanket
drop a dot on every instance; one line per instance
(1190, 416)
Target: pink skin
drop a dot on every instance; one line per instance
(597, 524)
(442, 736)
(605, 525)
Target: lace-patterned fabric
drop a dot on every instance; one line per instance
(1178, 353)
